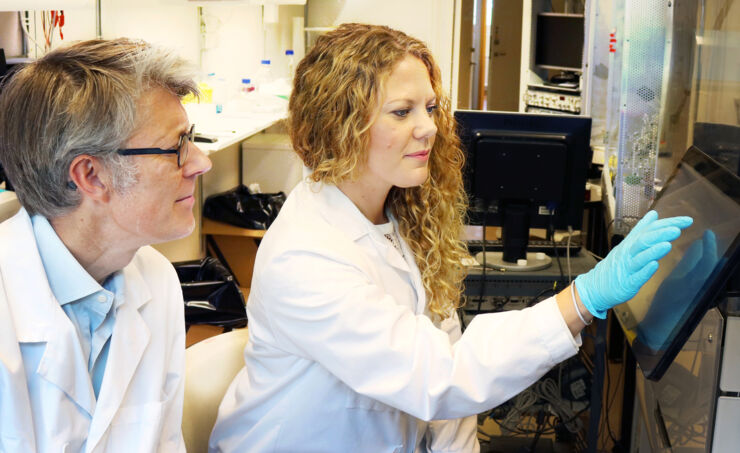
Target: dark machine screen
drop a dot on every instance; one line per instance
(661, 317)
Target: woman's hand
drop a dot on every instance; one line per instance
(629, 265)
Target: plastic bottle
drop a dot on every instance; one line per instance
(291, 63)
(246, 88)
(220, 94)
(206, 88)
(264, 75)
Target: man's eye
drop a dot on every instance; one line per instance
(401, 113)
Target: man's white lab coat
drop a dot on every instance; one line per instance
(140, 403)
(343, 357)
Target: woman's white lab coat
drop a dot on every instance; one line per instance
(343, 357)
(49, 406)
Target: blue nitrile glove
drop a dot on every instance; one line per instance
(673, 297)
(619, 276)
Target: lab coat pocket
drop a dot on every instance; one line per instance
(136, 428)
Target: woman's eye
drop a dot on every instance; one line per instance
(431, 108)
(401, 113)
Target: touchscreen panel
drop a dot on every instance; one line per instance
(659, 319)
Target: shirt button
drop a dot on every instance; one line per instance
(102, 298)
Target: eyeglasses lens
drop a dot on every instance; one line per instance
(184, 146)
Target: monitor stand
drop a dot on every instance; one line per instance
(533, 262)
(515, 237)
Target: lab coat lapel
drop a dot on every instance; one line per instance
(38, 317)
(128, 343)
(17, 430)
(413, 269)
(391, 255)
(64, 365)
(339, 211)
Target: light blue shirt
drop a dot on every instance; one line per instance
(90, 306)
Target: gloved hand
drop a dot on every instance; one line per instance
(674, 295)
(619, 276)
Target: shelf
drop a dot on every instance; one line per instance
(224, 229)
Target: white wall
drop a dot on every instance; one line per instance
(232, 45)
(235, 39)
(428, 20)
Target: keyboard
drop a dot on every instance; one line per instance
(534, 245)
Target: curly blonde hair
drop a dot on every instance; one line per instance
(336, 92)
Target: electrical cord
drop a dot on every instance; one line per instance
(538, 434)
(610, 402)
(547, 391)
(551, 230)
(597, 257)
(24, 25)
(547, 291)
(483, 270)
(567, 254)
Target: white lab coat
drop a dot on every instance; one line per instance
(140, 402)
(343, 357)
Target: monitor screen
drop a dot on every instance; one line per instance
(559, 41)
(661, 317)
(524, 170)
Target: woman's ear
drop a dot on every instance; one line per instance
(88, 176)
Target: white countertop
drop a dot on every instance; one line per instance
(229, 127)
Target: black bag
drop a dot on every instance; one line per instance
(211, 294)
(242, 208)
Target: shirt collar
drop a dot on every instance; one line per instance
(68, 280)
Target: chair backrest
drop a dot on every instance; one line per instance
(9, 204)
(210, 366)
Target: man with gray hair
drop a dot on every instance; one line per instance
(92, 338)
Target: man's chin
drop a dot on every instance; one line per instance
(178, 233)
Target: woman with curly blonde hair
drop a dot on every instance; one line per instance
(354, 340)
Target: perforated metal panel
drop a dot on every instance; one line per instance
(643, 57)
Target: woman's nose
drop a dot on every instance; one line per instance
(426, 126)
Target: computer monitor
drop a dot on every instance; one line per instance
(661, 317)
(522, 171)
(559, 41)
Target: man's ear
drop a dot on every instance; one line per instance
(90, 177)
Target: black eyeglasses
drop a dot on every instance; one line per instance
(181, 150)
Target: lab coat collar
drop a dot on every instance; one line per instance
(338, 210)
(27, 289)
(37, 315)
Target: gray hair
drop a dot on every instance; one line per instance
(76, 100)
